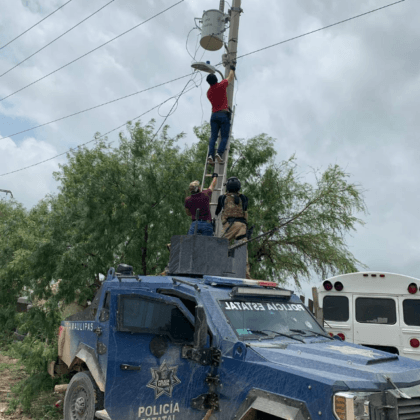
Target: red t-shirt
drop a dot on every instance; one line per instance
(200, 201)
(217, 96)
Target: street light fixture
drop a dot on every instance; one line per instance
(206, 67)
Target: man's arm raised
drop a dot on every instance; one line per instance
(213, 183)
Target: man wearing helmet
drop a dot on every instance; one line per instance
(220, 117)
(234, 208)
(200, 200)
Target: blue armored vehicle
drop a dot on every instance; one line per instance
(196, 345)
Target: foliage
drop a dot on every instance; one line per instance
(312, 222)
(35, 355)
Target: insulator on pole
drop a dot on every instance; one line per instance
(222, 6)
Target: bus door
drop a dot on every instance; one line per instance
(376, 322)
(410, 326)
(338, 315)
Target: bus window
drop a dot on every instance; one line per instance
(411, 309)
(336, 308)
(376, 311)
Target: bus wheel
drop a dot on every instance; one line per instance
(83, 398)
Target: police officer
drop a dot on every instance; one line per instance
(200, 200)
(234, 208)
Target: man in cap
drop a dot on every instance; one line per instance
(200, 200)
(220, 117)
(234, 208)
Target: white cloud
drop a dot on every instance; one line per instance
(346, 95)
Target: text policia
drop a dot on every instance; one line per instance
(159, 412)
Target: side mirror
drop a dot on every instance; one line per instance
(200, 333)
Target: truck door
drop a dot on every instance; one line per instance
(147, 377)
(376, 322)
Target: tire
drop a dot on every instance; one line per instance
(83, 398)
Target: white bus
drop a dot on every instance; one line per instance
(378, 310)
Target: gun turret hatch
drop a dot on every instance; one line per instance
(196, 255)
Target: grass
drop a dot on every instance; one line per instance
(12, 379)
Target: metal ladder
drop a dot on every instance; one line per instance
(221, 170)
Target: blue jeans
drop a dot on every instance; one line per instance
(219, 121)
(203, 228)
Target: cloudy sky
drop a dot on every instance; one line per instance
(346, 95)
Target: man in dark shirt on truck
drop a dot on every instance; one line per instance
(200, 200)
(220, 117)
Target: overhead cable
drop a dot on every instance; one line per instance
(45, 46)
(103, 135)
(176, 102)
(94, 107)
(100, 46)
(320, 29)
(33, 26)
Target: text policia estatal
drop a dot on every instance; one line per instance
(159, 412)
(265, 306)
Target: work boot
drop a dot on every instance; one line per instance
(210, 160)
(219, 159)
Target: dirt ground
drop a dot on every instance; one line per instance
(10, 374)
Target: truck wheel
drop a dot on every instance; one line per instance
(83, 398)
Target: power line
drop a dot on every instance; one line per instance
(179, 95)
(191, 80)
(103, 135)
(45, 46)
(320, 29)
(33, 26)
(93, 107)
(84, 55)
(176, 102)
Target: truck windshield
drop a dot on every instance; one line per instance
(255, 318)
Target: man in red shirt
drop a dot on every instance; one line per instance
(220, 117)
(200, 200)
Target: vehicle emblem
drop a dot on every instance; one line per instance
(163, 380)
(353, 350)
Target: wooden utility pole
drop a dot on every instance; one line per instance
(228, 60)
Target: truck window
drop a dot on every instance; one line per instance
(411, 309)
(376, 311)
(138, 315)
(246, 316)
(336, 308)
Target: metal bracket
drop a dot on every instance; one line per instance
(101, 348)
(104, 315)
(206, 402)
(212, 381)
(204, 357)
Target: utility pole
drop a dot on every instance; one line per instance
(227, 59)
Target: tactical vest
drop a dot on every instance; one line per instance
(230, 209)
